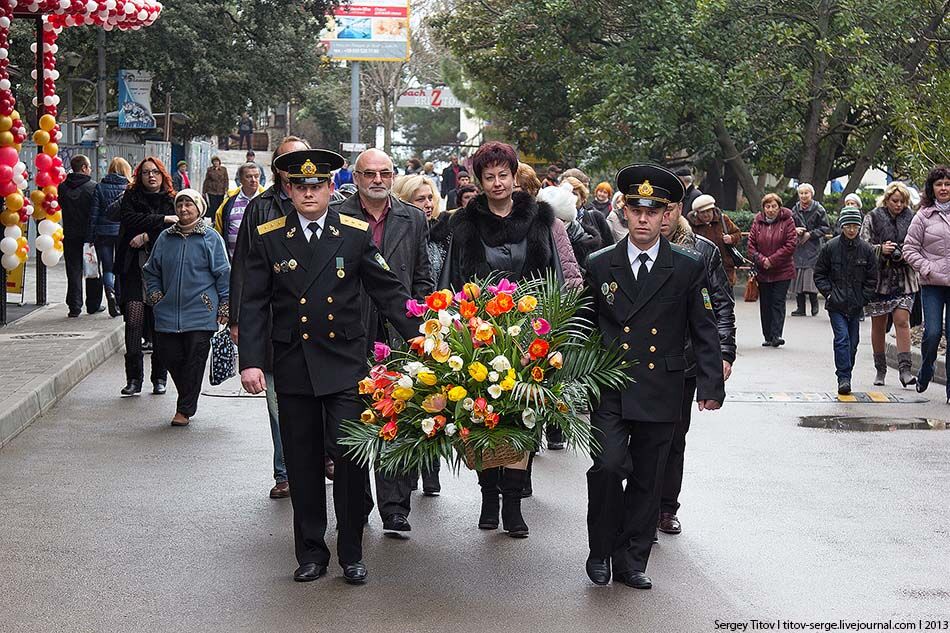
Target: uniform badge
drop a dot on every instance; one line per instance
(381, 261)
(308, 168)
(291, 232)
(645, 188)
(284, 266)
(604, 288)
(339, 268)
(706, 300)
(292, 264)
(609, 298)
(334, 231)
(276, 267)
(613, 286)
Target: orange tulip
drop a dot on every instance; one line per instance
(389, 431)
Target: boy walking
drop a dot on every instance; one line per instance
(846, 274)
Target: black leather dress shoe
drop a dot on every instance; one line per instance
(396, 523)
(598, 570)
(669, 523)
(309, 571)
(635, 579)
(354, 573)
(159, 388)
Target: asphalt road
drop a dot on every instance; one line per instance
(112, 520)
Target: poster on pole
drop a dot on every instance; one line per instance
(368, 31)
(135, 100)
(438, 97)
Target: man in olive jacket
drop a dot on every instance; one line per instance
(401, 234)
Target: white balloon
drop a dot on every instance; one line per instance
(4, 83)
(48, 101)
(129, 8)
(34, 101)
(3, 53)
(20, 167)
(44, 242)
(4, 22)
(64, 4)
(50, 258)
(12, 231)
(55, 99)
(9, 245)
(33, 50)
(47, 227)
(10, 261)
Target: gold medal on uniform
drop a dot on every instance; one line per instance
(339, 267)
(276, 267)
(292, 264)
(613, 286)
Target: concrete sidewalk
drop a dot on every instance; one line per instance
(45, 354)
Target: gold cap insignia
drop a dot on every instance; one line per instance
(645, 189)
(308, 168)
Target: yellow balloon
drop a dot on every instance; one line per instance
(58, 246)
(50, 190)
(39, 213)
(6, 123)
(14, 201)
(37, 197)
(21, 241)
(6, 139)
(47, 122)
(15, 115)
(18, 147)
(9, 218)
(50, 148)
(40, 137)
(23, 255)
(56, 217)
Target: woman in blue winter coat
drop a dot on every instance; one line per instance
(103, 232)
(186, 283)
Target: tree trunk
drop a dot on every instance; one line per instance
(829, 147)
(816, 104)
(731, 155)
(866, 159)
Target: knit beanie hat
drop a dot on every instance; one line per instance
(849, 215)
(195, 197)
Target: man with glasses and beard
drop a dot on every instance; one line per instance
(400, 232)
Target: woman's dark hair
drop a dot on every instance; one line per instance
(167, 184)
(494, 153)
(464, 189)
(939, 172)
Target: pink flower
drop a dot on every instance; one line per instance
(503, 286)
(460, 296)
(541, 327)
(381, 351)
(414, 308)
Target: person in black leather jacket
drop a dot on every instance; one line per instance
(678, 231)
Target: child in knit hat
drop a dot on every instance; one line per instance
(846, 274)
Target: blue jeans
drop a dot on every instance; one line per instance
(105, 251)
(847, 330)
(280, 469)
(935, 301)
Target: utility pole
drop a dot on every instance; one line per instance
(101, 164)
(354, 107)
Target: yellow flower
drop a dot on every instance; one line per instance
(441, 352)
(402, 393)
(485, 332)
(507, 384)
(399, 406)
(472, 291)
(431, 327)
(457, 393)
(478, 371)
(368, 417)
(527, 304)
(537, 374)
(427, 378)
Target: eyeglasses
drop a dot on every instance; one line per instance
(371, 174)
(150, 172)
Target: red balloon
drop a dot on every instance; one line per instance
(8, 156)
(42, 179)
(6, 188)
(43, 161)
(6, 173)
(57, 162)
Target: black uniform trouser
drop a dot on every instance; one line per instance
(72, 254)
(185, 354)
(305, 423)
(673, 477)
(772, 308)
(621, 521)
(393, 493)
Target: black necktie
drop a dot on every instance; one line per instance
(643, 271)
(314, 232)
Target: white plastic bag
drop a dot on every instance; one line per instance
(90, 262)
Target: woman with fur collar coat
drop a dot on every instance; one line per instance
(505, 231)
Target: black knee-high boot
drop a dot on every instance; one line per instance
(488, 479)
(800, 298)
(512, 483)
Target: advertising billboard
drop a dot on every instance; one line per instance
(368, 31)
(135, 100)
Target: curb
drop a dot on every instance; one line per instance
(49, 390)
(940, 368)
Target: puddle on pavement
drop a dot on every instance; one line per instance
(870, 424)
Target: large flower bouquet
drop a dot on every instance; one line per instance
(493, 363)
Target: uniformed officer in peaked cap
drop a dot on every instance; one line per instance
(647, 295)
(308, 269)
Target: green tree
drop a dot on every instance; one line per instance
(431, 132)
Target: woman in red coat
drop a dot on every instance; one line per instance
(772, 243)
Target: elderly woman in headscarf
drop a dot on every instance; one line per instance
(186, 283)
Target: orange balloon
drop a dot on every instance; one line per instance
(37, 197)
(50, 191)
(14, 201)
(7, 139)
(50, 148)
(39, 213)
(56, 217)
(47, 122)
(18, 147)
(40, 137)
(9, 218)
(6, 123)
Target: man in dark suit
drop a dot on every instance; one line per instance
(308, 270)
(685, 174)
(400, 232)
(647, 296)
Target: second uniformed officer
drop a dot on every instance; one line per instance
(647, 295)
(308, 269)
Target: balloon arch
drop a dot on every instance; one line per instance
(42, 204)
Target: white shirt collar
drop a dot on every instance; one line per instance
(633, 253)
(304, 222)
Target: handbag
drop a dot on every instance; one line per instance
(223, 357)
(751, 289)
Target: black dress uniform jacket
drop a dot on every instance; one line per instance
(649, 323)
(314, 293)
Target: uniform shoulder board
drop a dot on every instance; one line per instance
(599, 253)
(347, 220)
(273, 225)
(686, 250)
